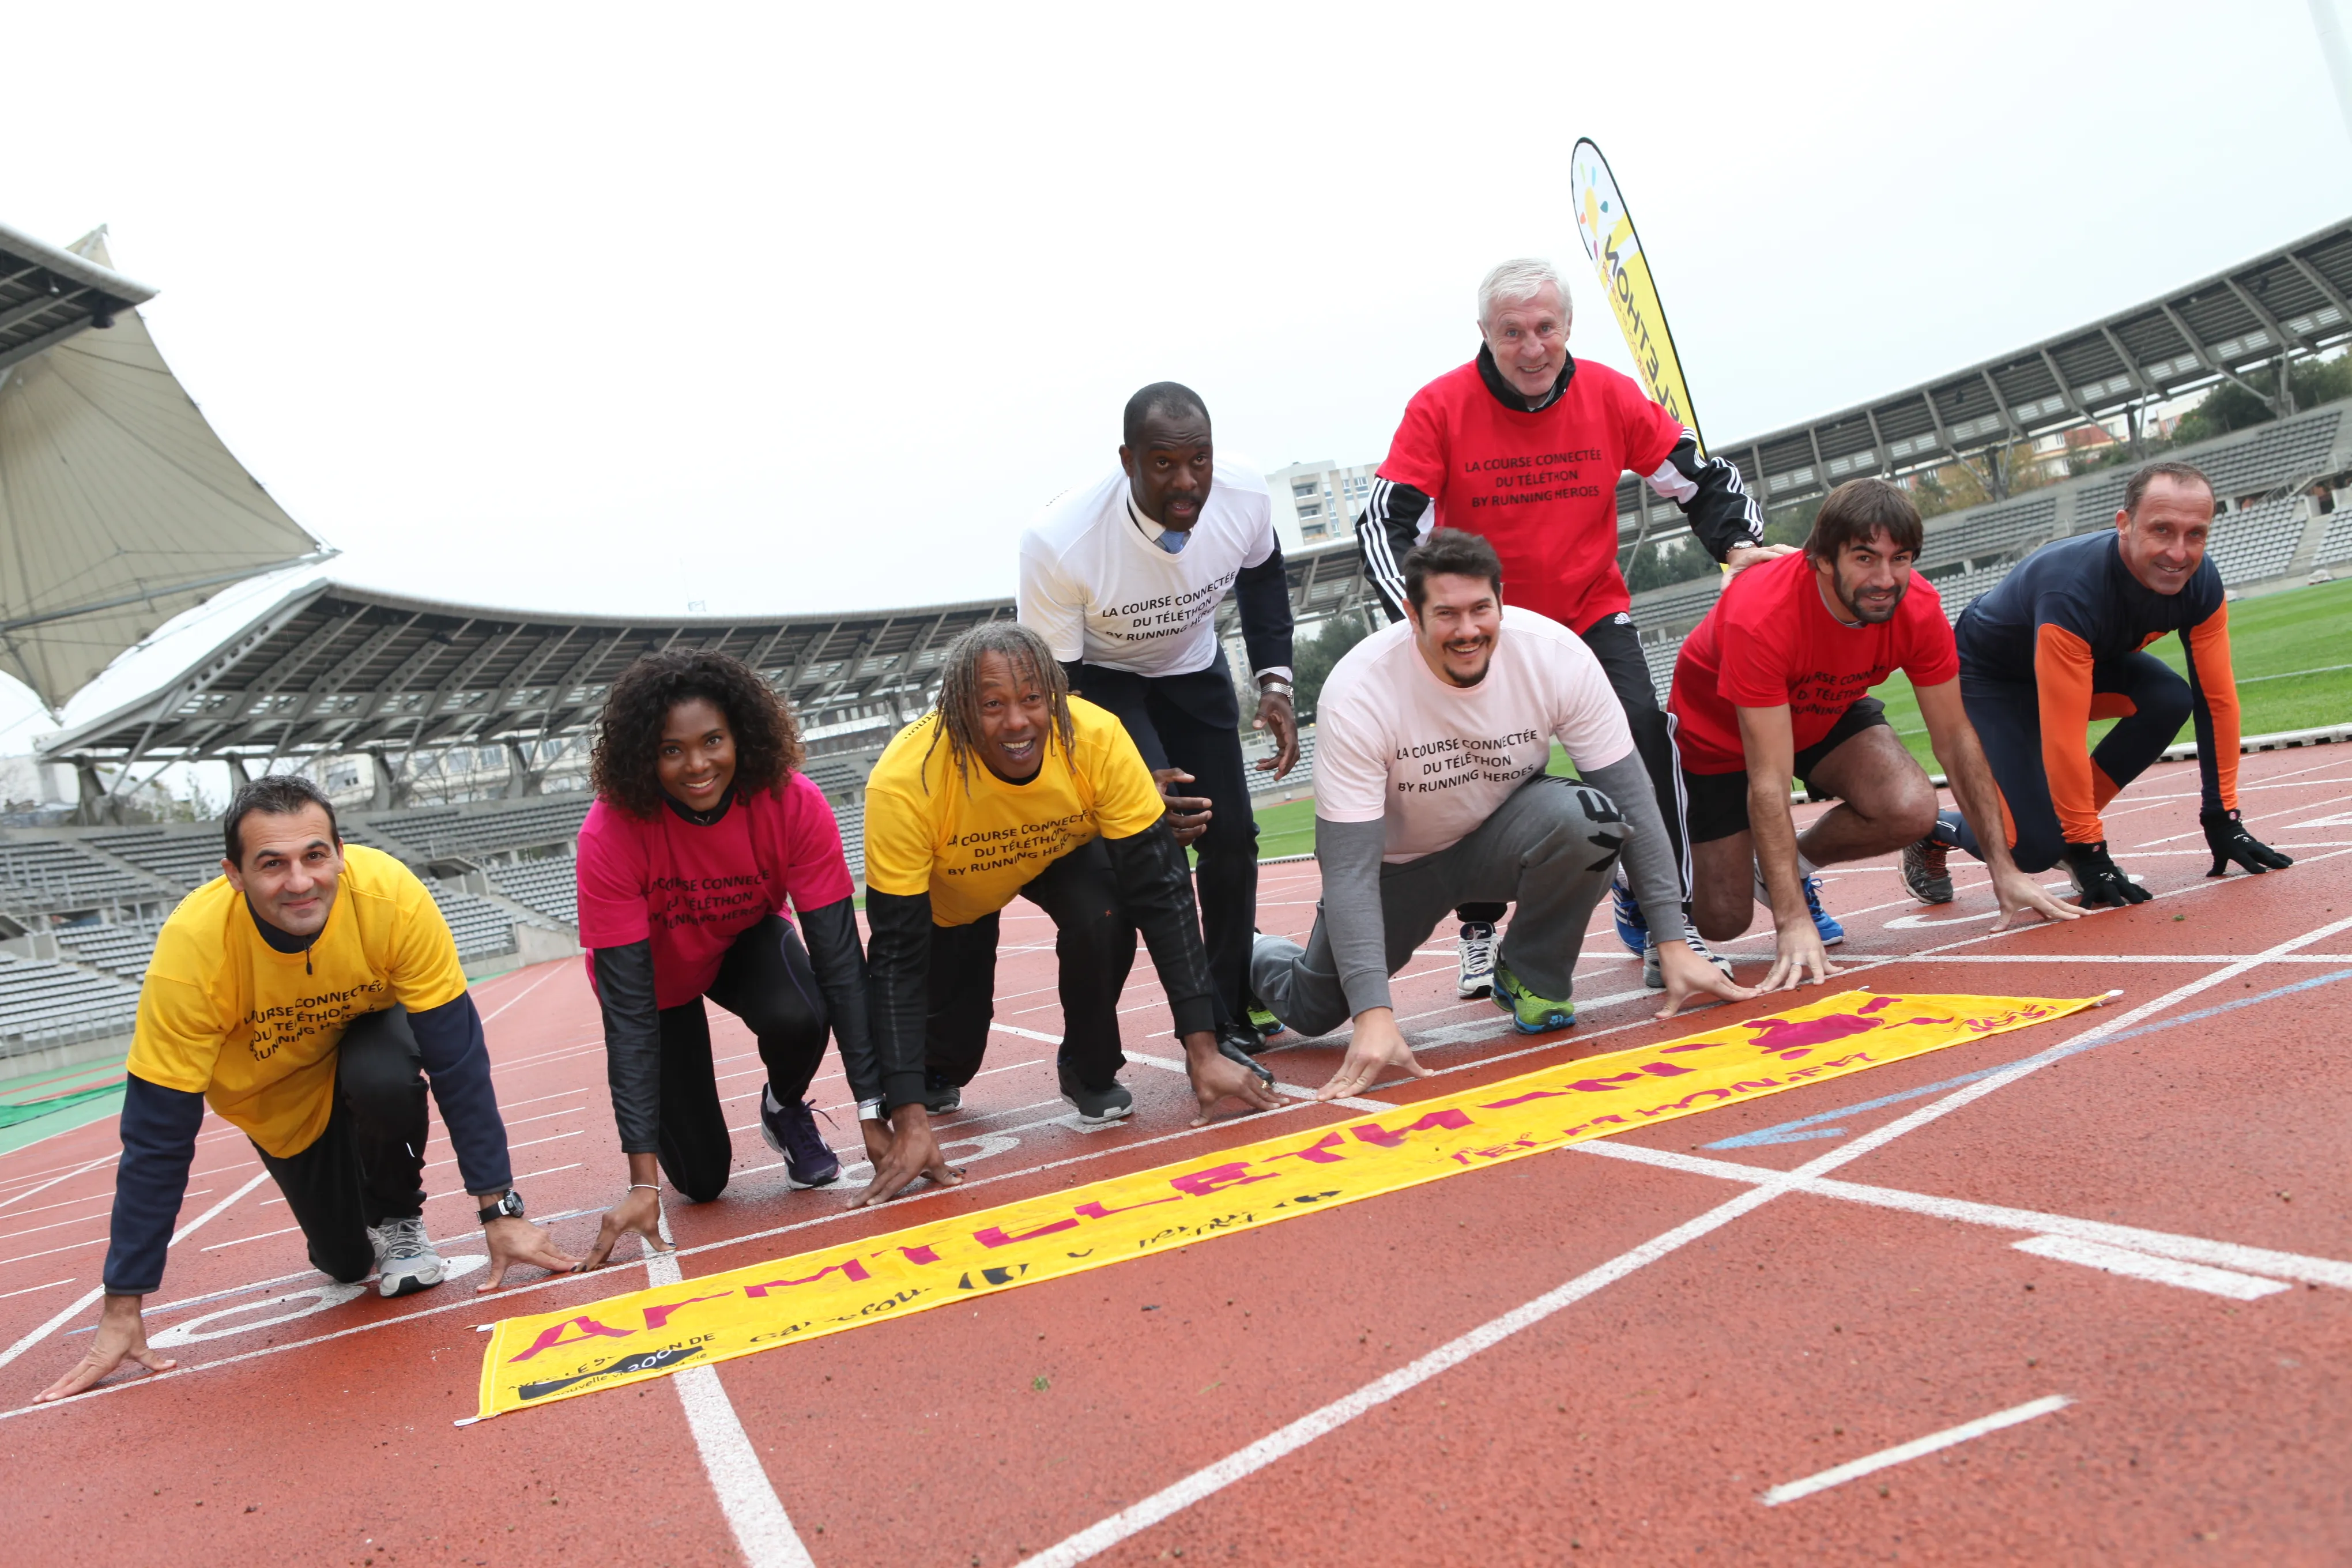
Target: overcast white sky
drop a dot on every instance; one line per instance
(616, 309)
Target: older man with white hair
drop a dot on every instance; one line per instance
(1523, 447)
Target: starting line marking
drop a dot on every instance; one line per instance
(1916, 1448)
(2097, 1254)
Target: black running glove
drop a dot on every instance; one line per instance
(2102, 883)
(2228, 840)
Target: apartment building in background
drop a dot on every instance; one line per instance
(1316, 502)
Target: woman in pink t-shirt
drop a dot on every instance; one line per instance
(703, 830)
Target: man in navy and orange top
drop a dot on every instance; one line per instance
(2061, 643)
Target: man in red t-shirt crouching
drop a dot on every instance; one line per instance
(1773, 686)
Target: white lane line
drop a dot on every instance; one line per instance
(2108, 1260)
(1202, 1483)
(30, 1289)
(1913, 1449)
(82, 1305)
(68, 1177)
(557, 969)
(2162, 1244)
(762, 1529)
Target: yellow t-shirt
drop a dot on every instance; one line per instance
(972, 847)
(226, 1015)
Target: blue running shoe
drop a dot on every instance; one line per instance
(1825, 922)
(791, 1130)
(1632, 930)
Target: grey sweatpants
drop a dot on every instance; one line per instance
(1549, 849)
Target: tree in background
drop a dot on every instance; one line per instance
(2231, 407)
(1314, 656)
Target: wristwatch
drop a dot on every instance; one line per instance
(1274, 687)
(507, 1207)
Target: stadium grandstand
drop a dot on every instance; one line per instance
(455, 736)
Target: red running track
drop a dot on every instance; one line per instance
(1610, 1354)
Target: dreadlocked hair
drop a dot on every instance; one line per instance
(622, 768)
(958, 704)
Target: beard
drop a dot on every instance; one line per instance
(1867, 616)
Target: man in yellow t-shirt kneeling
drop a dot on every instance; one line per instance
(306, 994)
(1011, 787)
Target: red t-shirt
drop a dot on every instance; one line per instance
(1541, 488)
(1771, 641)
(693, 890)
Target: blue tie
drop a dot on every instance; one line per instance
(1172, 542)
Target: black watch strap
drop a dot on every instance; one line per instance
(508, 1206)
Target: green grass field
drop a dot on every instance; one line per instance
(2292, 651)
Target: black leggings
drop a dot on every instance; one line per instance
(368, 1166)
(1094, 942)
(764, 979)
(1191, 721)
(2007, 717)
(1618, 645)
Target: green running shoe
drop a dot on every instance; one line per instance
(1534, 1014)
(1266, 1025)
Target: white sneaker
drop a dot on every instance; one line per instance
(1477, 976)
(1655, 976)
(406, 1262)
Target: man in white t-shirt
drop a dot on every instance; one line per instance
(1434, 736)
(1122, 578)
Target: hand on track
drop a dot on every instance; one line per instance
(2103, 884)
(1691, 978)
(121, 1336)
(911, 1152)
(1376, 1045)
(1218, 1074)
(2229, 841)
(513, 1240)
(1797, 948)
(638, 1213)
(2019, 895)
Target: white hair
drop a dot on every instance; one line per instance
(1514, 282)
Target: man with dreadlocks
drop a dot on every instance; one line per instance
(1012, 787)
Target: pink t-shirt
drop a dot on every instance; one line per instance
(1394, 743)
(693, 890)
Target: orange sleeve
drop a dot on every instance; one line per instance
(2217, 688)
(2062, 676)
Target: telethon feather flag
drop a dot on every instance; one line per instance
(1607, 228)
(545, 1358)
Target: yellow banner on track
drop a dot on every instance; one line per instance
(1607, 229)
(625, 1339)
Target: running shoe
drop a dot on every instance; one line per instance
(1825, 922)
(791, 1130)
(1097, 1107)
(1534, 1014)
(1655, 976)
(1925, 872)
(1266, 1025)
(406, 1262)
(1477, 976)
(939, 1096)
(1632, 927)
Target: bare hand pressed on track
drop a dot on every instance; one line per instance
(1376, 1044)
(901, 1151)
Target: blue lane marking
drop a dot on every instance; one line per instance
(1806, 1128)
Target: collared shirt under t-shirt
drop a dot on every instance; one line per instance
(1099, 588)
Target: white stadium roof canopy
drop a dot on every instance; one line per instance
(118, 506)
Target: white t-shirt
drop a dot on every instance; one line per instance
(1393, 740)
(1097, 587)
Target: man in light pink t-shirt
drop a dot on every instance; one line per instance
(1431, 790)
